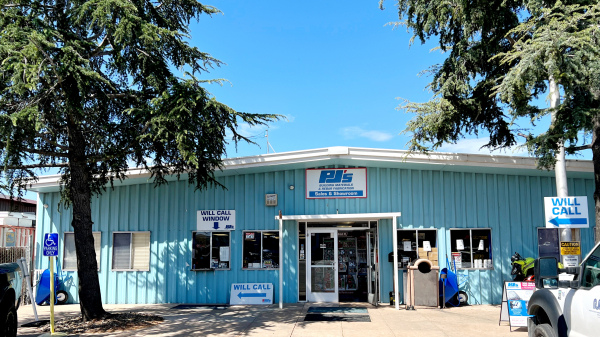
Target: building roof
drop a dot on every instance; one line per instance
(356, 156)
(23, 200)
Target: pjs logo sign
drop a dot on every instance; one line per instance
(336, 183)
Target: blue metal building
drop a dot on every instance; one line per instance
(499, 195)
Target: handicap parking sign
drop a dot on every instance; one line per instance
(51, 244)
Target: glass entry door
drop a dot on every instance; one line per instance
(373, 267)
(322, 257)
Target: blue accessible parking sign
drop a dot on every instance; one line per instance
(51, 244)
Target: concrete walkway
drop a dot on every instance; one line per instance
(470, 321)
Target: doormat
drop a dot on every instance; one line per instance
(331, 310)
(201, 306)
(336, 318)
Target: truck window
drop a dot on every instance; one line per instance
(591, 272)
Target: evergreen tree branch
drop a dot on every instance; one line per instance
(34, 166)
(47, 140)
(46, 153)
(579, 148)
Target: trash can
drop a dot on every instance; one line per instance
(424, 287)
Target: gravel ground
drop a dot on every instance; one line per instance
(112, 323)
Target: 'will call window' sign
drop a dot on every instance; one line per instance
(334, 183)
(216, 220)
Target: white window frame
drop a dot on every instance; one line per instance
(63, 257)
(417, 233)
(211, 249)
(471, 246)
(130, 250)
(261, 247)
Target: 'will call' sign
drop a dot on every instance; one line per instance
(569, 212)
(251, 293)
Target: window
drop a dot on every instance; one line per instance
(210, 250)
(548, 243)
(591, 270)
(411, 246)
(131, 251)
(471, 247)
(69, 254)
(261, 250)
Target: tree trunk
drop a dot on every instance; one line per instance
(596, 161)
(90, 298)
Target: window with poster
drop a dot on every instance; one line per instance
(416, 244)
(260, 250)
(211, 250)
(471, 248)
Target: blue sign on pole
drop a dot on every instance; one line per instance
(51, 244)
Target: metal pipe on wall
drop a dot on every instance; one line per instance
(280, 261)
(395, 245)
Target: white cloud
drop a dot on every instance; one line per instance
(474, 145)
(374, 135)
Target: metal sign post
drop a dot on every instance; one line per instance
(51, 251)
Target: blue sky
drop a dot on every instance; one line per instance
(335, 69)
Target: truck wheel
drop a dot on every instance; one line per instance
(8, 328)
(61, 297)
(543, 330)
(463, 298)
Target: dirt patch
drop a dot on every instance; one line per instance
(112, 323)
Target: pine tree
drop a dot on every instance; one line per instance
(92, 88)
(502, 56)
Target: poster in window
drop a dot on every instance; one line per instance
(407, 246)
(224, 253)
(457, 258)
(460, 245)
(427, 246)
(480, 245)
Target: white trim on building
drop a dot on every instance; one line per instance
(361, 154)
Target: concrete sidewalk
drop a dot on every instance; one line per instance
(470, 321)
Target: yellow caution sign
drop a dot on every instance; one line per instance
(570, 248)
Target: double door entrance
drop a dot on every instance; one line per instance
(342, 265)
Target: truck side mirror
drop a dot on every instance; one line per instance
(546, 272)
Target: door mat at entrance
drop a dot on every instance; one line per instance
(331, 310)
(201, 306)
(336, 318)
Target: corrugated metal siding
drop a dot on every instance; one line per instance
(511, 205)
(6, 205)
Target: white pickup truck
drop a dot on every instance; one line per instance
(566, 308)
